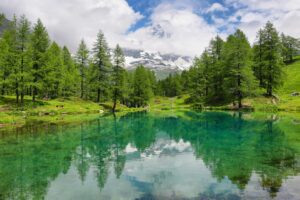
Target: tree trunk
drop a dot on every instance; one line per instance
(22, 98)
(115, 101)
(17, 93)
(34, 93)
(22, 76)
(3, 87)
(98, 95)
(239, 87)
(81, 88)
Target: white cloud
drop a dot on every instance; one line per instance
(185, 32)
(216, 7)
(174, 26)
(69, 21)
(254, 14)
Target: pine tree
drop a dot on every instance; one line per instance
(273, 64)
(101, 66)
(290, 47)
(239, 79)
(82, 59)
(215, 52)
(258, 64)
(8, 57)
(4, 67)
(118, 75)
(200, 78)
(10, 79)
(52, 72)
(23, 37)
(70, 76)
(39, 45)
(204, 67)
(142, 90)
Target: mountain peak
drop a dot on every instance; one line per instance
(161, 64)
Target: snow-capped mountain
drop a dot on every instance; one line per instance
(161, 64)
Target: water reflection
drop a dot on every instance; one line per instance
(143, 156)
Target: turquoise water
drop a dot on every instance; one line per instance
(146, 156)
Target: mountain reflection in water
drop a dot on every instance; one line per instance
(207, 155)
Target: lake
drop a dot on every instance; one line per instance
(186, 155)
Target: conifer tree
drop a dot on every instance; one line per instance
(290, 47)
(70, 74)
(11, 72)
(215, 52)
(39, 45)
(142, 90)
(8, 57)
(259, 64)
(4, 67)
(101, 66)
(239, 81)
(23, 37)
(82, 59)
(52, 72)
(118, 76)
(273, 63)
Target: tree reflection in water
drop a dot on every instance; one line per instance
(230, 145)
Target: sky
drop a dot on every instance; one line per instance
(183, 27)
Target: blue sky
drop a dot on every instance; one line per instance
(182, 27)
(146, 8)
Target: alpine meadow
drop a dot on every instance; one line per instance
(128, 99)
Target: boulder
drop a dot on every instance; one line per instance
(294, 94)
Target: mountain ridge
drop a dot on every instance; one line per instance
(161, 64)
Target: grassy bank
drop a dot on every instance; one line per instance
(52, 111)
(75, 109)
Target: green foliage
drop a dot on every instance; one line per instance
(170, 87)
(268, 60)
(118, 76)
(290, 47)
(142, 89)
(81, 58)
(70, 76)
(39, 44)
(226, 72)
(239, 79)
(101, 67)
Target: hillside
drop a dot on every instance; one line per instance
(285, 100)
(291, 85)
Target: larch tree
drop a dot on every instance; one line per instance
(258, 63)
(5, 64)
(39, 45)
(70, 74)
(290, 47)
(24, 64)
(52, 72)
(273, 63)
(118, 76)
(239, 78)
(101, 66)
(82, 59)
(142, 90)
(215, 51)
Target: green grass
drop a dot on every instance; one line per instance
(53, 111)
(291, 84)
(75, 109)
(168, 103)
(285, 102)
(48, 111)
